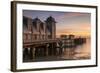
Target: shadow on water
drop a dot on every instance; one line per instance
(53, 51)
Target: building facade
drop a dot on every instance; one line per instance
(35, 29)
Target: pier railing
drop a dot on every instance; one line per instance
(59, 41)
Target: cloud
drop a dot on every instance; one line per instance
(68, 15)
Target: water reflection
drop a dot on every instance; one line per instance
(47, 53)
(78, 52)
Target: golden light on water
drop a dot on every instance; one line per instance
(84, 34)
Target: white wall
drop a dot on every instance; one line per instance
(5, 37)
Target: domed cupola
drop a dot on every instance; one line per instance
(50, 19)
(36, 20)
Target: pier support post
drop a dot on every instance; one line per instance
(32, 53)
(25, 54)
(47, 52)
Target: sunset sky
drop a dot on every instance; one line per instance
(67, 22)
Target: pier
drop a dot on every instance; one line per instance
(33, 49)
(40, 41)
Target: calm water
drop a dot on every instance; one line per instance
(76, 53)
(79, 52)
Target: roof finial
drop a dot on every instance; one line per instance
(36, 16)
